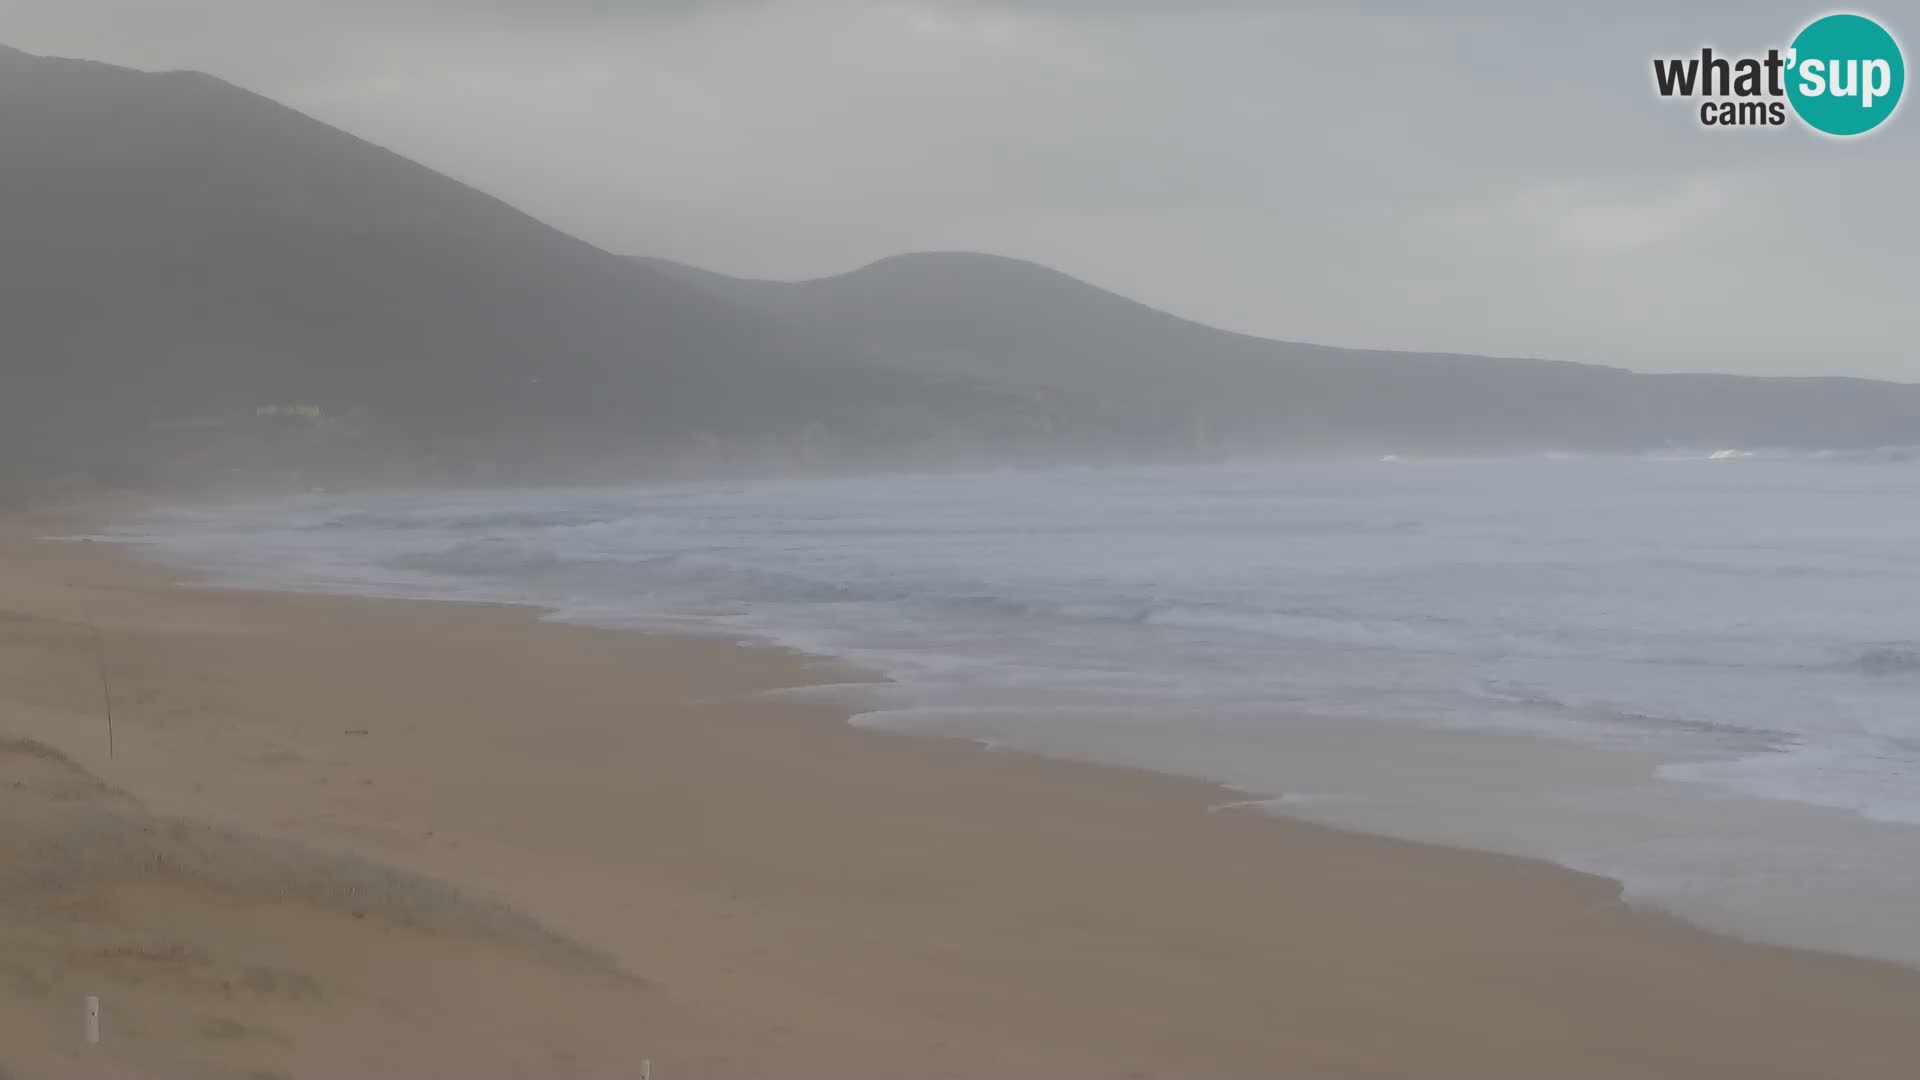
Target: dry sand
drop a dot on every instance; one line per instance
(343, 836)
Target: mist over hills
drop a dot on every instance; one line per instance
(189, 272)
(199, 284)
(1195, 387)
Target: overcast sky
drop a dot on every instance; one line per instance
(1477, 177)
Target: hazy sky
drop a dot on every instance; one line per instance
(1478, 177)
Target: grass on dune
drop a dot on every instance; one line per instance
(85, 835)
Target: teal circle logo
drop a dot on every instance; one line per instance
(1845, 74)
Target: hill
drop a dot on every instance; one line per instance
(200, 285)
(196, 281)
(1030, 327)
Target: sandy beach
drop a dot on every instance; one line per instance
(346, 836)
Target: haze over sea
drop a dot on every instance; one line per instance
(1698, 675)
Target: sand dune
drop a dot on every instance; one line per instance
(223, 953)
(346, 836)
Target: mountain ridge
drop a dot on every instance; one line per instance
(178, 254)
(1037, 328)
(885, 263)
(199, 283)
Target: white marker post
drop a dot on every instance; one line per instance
(93, 1019)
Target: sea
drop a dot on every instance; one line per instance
(1695, 673)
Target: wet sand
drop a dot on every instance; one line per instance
(373, 837)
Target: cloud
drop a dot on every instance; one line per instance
(1588, 221)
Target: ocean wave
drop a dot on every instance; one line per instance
(1893, 660)
(1763, 597)
(1889, 454)
(1744, 625)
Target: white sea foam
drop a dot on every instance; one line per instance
(1736, 626)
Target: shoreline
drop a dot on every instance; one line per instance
(835, 899)
(1760, 867)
